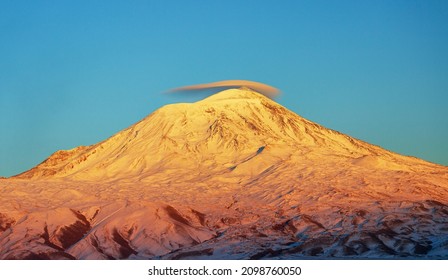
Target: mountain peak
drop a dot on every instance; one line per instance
(236, 93)
(235, 175)
(222, 131)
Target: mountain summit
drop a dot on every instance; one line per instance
(217, 133)
(236, 176)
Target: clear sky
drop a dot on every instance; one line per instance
(76, 72)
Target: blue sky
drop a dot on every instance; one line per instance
(76, 72)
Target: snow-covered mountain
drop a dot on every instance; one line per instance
(233, 176)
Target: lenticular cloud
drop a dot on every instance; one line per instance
(264, 89)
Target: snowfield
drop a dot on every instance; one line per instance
(234, 176)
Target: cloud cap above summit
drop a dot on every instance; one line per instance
(267, 90)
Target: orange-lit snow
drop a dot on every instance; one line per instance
(235, 175)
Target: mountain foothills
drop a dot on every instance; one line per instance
(233, 176)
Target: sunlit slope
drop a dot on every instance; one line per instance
(219, 134)
(233, 176)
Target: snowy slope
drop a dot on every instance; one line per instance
(235, 175)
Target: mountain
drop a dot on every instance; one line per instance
(234, 176)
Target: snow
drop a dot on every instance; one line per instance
(233, 176)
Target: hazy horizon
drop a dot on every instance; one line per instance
(76, 73)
